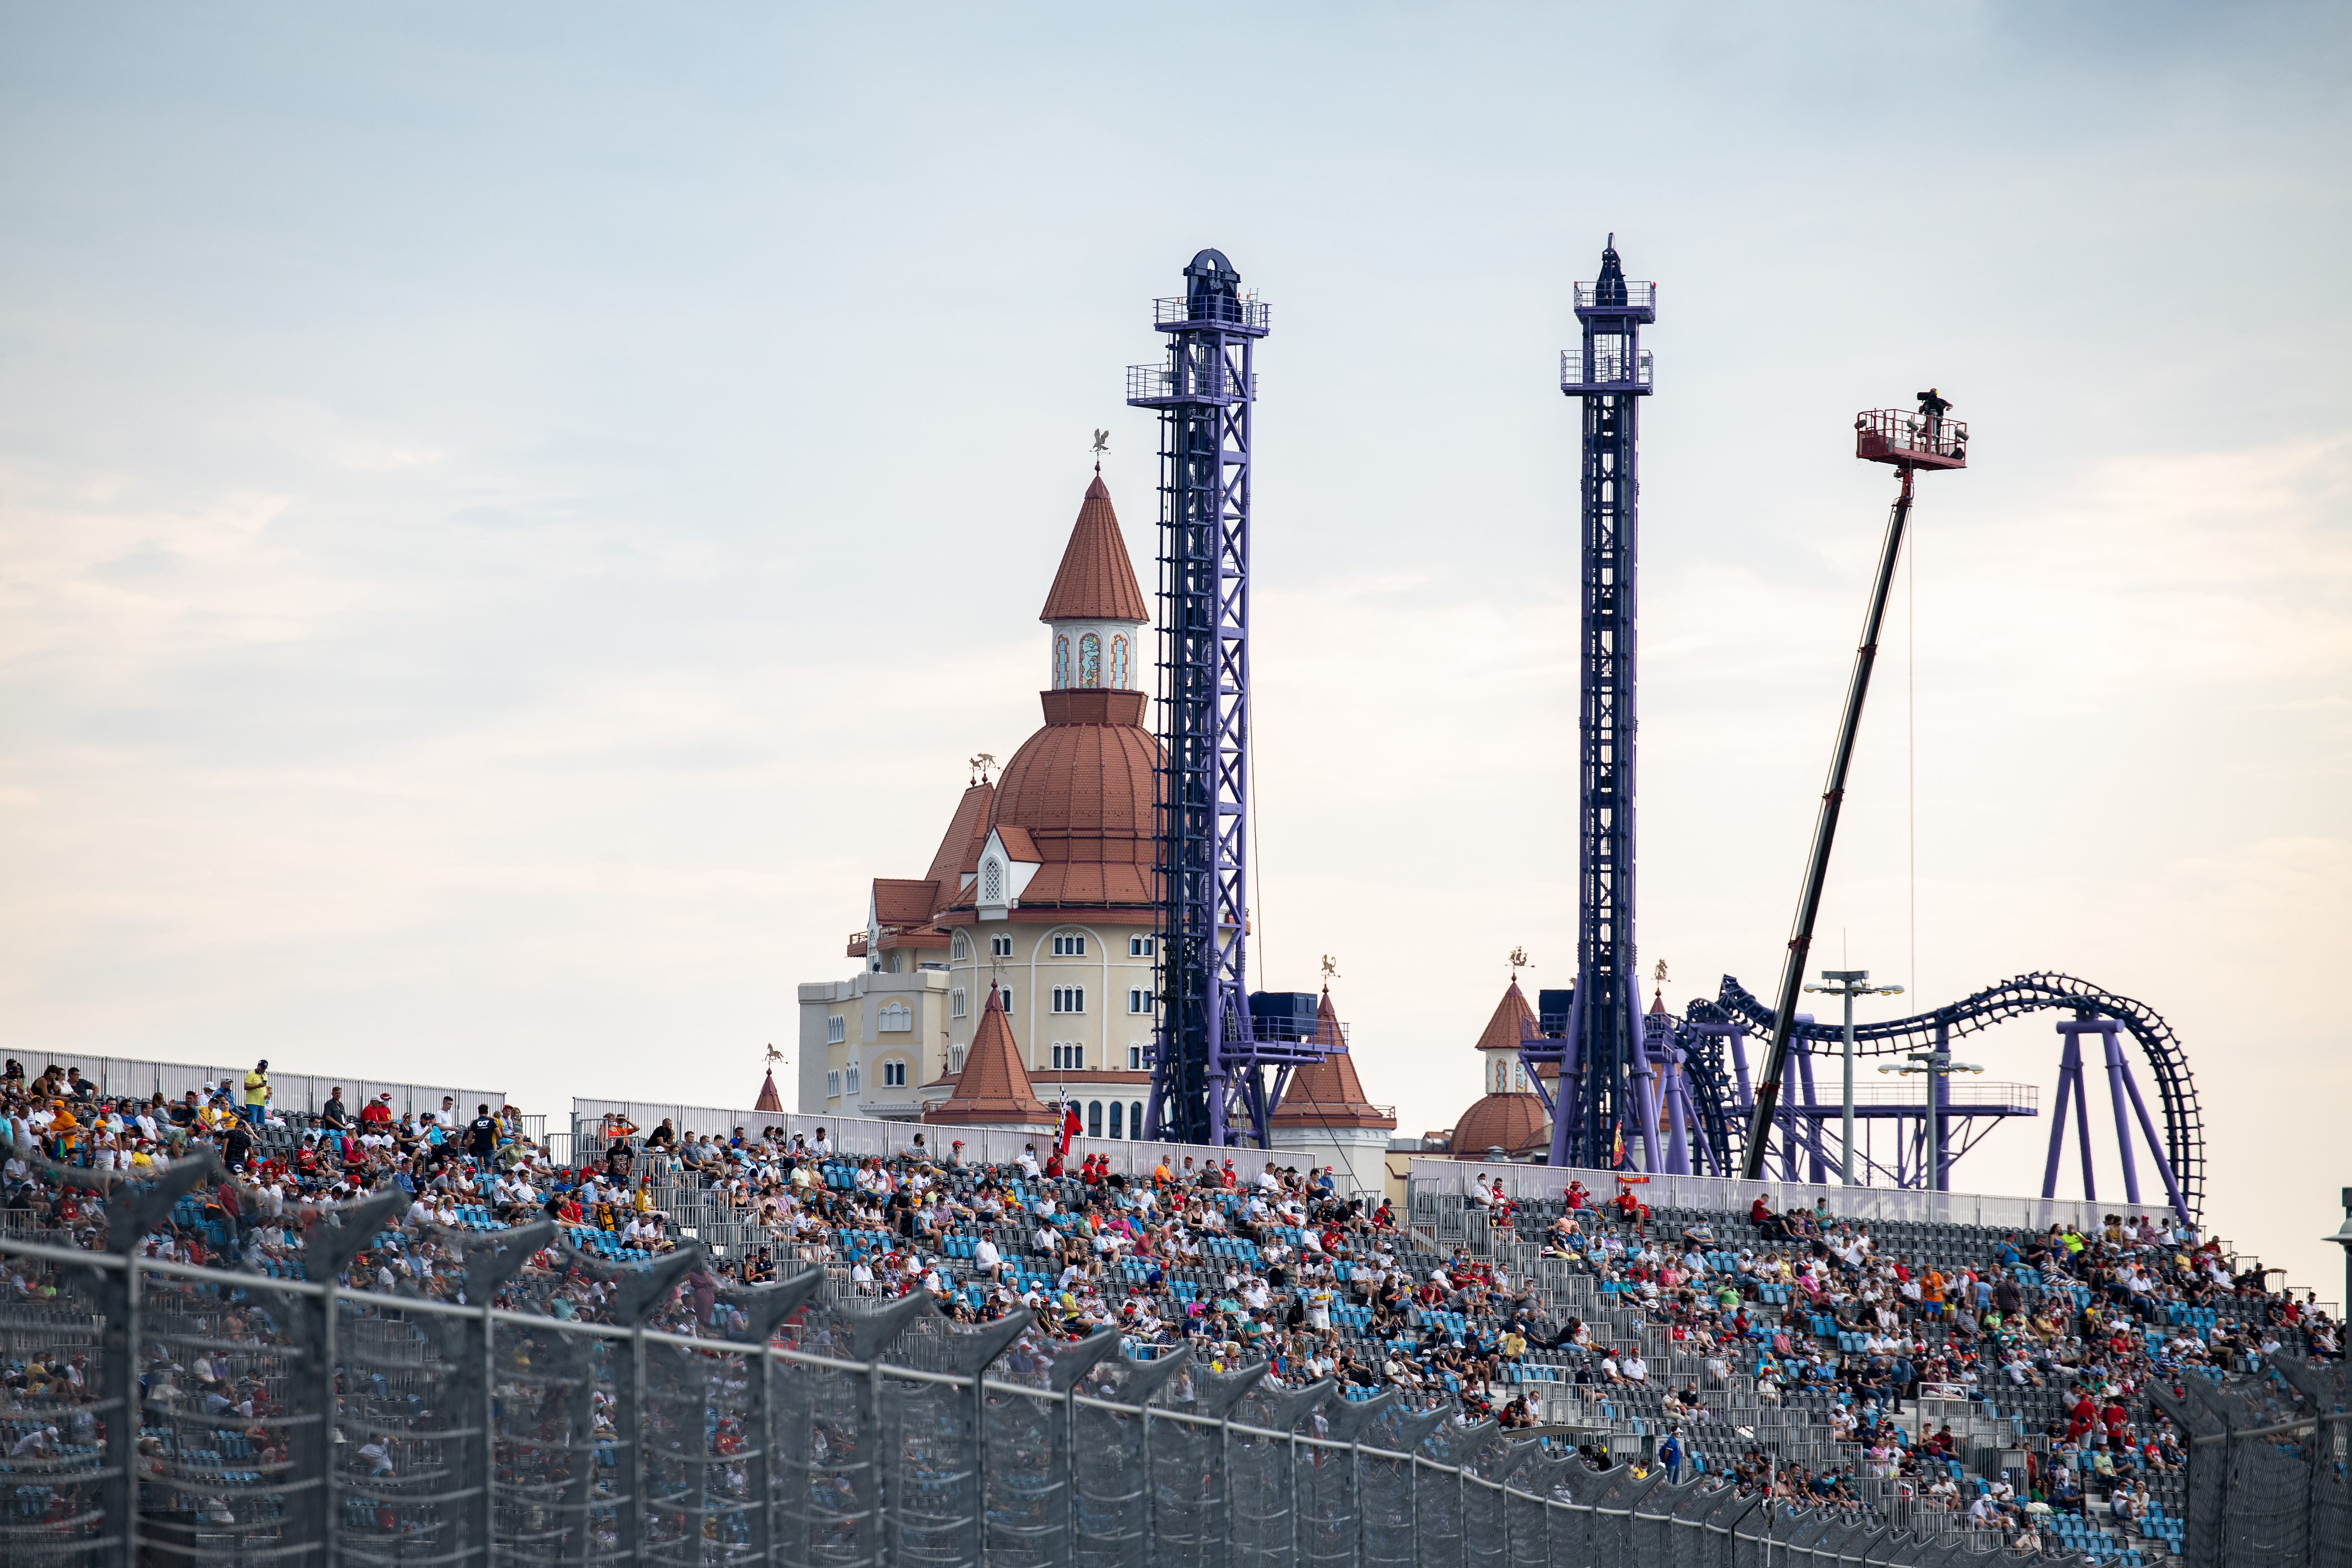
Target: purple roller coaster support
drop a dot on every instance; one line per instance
(2123, 1127)
(2156, 1147)
(2083, 1123)
(1677, 1115)
(1643, 1084)
(1740, 1066)
(1805, 1086)
(2070, 1082)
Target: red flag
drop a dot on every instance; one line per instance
(1617, 1152)
(1069, 1125)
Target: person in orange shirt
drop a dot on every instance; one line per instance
(1931, 1293)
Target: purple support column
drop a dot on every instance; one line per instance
(1813, 1127)
(2069, 1080)
(2115, 1092)
(1740, 1066)
(2083, 1123)
(2156, 1147)
(1677, 1126)
(1643, 1084)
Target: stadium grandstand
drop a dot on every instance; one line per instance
(1986, 1375)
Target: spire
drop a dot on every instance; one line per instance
(1327, 1093)
(1097, 579)
(993, 1089)
(1513, 1021)
(768, 1099)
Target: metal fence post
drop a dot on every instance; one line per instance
(1356, 1496)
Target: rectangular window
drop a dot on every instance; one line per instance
(1138, 947)
(955, 1003)
(1069, 947)
(834, 1030)
(1001, 946)
(1138, 1000)
(833, 1085)
(894, 1075)
(1069, 998)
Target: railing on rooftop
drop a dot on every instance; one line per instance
(1210, 311)
(1638, 296)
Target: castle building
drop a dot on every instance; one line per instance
(1325, 1118)
(1042, 890)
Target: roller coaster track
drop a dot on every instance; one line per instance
(2168, 1062)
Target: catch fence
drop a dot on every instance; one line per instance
(165, 1413)
(2267, 1466)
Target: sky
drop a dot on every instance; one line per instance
(510, 518)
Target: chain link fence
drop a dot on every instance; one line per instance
(162, 1413)
(2267, 1458)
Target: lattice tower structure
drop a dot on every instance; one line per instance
(1212, 1081)
(1605, 1081)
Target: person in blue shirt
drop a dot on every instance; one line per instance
(1670, 1454)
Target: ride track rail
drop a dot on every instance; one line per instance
(2042, 991)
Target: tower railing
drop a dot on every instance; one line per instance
(1156, 385)
(1638, 296)
(1609, 371)
(1247, 315)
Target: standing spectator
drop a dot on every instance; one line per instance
(257, 1092)
(482, 1136)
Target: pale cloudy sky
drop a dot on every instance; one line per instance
(510, 517)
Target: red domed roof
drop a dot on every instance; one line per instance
(1082, 790)
(1514, 1123)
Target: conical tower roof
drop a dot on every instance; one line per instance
(1097, 579)
(1513, 1021)
(994, 1090)
(1328, 1093)
(768, 1099)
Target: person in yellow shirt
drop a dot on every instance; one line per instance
(257, 1092)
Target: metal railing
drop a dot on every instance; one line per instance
(1638, 296)
(1205, 382)
(1610, 371)
(164, 1412)
(1213, 311)
(1884, 433)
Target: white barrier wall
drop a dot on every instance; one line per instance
(288, 1090)
(981, 1145)
(1872, 1205)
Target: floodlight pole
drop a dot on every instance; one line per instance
(1848, 984)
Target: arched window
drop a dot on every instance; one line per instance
(960, 947)
(992, 882)
(1116, 1109)
(894, 1074)
(1119, 663)
(1090, 660)
(1135, 1119)
(894, 1018)
(1094, 1119)
(1061, 662)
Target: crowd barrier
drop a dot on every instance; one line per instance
(170, 1414)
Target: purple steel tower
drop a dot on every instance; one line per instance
(1210, 1077)
(1607, 1080)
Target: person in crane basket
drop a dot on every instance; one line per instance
(1932, 409)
